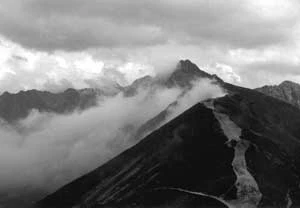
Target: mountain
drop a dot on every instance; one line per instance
(17, 106)
(184, 76)
(141, 83)
(185, 72)
(240, 150)
(287, 91)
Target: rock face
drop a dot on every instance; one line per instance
(185, 73)
(287, 91)
(183, 76)
(241, 150)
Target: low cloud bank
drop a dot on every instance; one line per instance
(45, 151)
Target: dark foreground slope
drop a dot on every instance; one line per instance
(240, 149)
(186, 153)
(272, 128)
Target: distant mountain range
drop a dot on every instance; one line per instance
(17, 106)
(240, 150)
(287, 91)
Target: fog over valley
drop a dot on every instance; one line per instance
(44, 151)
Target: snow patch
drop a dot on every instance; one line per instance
(289, 200)
(231, 130)
(248, 193)
(200, 194)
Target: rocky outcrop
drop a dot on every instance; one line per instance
(185, 73)
(286, 91)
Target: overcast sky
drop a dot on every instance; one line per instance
(54, 44)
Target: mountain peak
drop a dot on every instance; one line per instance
(289, 83)
(186, 72)
(287, 91)
(142, 80)
(187, 66)
(186, 62)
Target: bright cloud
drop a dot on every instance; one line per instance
(23, 69)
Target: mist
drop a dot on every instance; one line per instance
(45, 151)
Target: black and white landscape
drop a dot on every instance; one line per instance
(149, 104)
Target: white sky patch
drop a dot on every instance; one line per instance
(90, 66)
(4, 71)
(274, 9)
(23, 69)
(248, 56)
(5, 53)
(224, 71)
(136, 71)
(267, 66)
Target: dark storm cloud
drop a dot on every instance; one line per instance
(74, 33)
(77, 24)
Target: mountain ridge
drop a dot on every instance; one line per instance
(287, 91)
(15, 106)
(239, 141)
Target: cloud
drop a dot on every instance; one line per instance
(24, 69)
(50, 150)
(45, 151)
(270, 65)
(224, 71)
(151, 35)
(201, 90)
(270, 73)
(67, 31)
(78, 25)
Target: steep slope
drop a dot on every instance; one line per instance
(287, 91)
(271, 127)
(175, 156)
(239, 150)
(184, 76)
